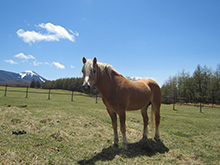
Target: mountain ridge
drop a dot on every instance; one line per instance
(27, 76)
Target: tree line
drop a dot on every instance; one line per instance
(72, 84)
(35, 84)
(203, 86)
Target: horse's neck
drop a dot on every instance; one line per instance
(107, 85)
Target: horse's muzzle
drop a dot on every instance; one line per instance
(86, 87)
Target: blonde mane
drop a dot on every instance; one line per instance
(103, 66)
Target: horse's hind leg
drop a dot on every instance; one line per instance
(114, 126)
(145, 121)
(157, 122)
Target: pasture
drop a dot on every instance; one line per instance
(59, 131)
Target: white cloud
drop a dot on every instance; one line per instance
(36, 63)
(11, 61)
(74, 33)
(139, 78)
(32, 36)
(58, 65)
(71, 66)
(54, 33)
(23, 56)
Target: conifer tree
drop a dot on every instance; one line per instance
(32, 85)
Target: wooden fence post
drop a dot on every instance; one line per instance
(200, 105)
(174, 102)
(49, 94)
(5, 90)
(72, 96)
(27, 93)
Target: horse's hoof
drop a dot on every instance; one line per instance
(143, 139)
(125, 147)
(115, 145)
(156, 138)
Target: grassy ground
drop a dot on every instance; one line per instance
(63, 132)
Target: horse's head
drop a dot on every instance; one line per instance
(89, 71)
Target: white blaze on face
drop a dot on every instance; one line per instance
(87, 70)
(86, 80)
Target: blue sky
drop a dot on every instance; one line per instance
(143, 38)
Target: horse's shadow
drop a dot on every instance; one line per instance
(148, 147)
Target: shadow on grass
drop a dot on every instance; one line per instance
(147, 147)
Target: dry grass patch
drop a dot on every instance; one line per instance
(80, 132)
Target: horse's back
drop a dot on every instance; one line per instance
(151, 83)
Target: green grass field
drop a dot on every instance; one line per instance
(63, 132)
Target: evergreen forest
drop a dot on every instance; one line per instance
(203, 86)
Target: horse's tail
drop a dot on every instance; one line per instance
(152, 116)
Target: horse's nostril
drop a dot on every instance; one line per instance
(86, 87)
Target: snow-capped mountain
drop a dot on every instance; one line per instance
(30, 75)
(26, 76)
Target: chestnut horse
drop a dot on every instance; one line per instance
(120, 95)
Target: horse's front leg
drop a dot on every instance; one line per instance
(145, 121)
(114, 126)
(122, 117)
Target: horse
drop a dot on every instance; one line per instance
(120, 95)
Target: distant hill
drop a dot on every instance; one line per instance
(20, 78)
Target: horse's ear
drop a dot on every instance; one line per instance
(94, 61)
(84, 60)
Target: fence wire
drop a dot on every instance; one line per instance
(27, 90)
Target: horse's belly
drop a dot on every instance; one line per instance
(131, 101)
(138, 100)
(135, 106)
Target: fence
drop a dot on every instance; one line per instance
(49, 93)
